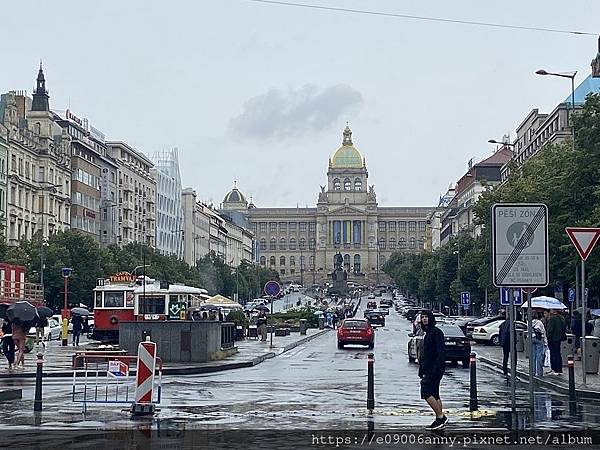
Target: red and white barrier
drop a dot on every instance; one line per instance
(144, 379)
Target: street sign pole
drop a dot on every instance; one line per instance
(513, 356)
(271, 321)
(530, 343)
(583, 321)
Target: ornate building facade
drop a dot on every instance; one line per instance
(301, 243)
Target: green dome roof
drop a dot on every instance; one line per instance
(347, 156)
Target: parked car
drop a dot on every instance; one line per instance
(463, 321)
(480, 322)
(355, 331)
(371, 305)
(52, 331)
(375, 318)
(490, 333)
(371, 296)
(411, 313)
(458, 347)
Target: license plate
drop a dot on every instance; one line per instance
(451, 343)
(354, 331)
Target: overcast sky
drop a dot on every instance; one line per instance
(261, 93)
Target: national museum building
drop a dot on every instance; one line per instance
(301, 243)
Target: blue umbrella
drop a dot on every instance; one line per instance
(544, 302)
(595, 312)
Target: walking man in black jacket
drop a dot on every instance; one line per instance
(504, 339)
(432, 362)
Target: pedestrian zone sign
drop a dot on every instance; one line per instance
(465, 298)
(520, 244)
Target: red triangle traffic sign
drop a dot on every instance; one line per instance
(583, 239)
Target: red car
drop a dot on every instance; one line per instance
(355, 331)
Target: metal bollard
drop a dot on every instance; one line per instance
(370, 383)
(473, 381)
(571, 368)
(37, 403)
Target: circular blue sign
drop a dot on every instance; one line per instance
(272, 288)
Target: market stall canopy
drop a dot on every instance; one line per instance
(223, 302)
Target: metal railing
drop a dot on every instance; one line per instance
(227, 335)
(94, 383)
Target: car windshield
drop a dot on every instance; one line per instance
(452, 331)
(355, 324)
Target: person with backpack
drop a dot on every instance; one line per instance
(432, 363)
(540, 341)
(40, 328)
(556, 330)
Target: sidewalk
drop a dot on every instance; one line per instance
(492, 355)
(250, 352)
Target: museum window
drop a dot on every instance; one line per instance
(392, 226)
(347, 261)
(282, 261)
(302, 227)
(292, 260)
(412, 226)
(381, 243)
(263, 244)
(263, 261)
(357, 184)
(282, 244)
(254, 227)
(421, 243)
(392, 243)
(272, 261)
(302, 244)
(311, 244)
(273, 227)
(413, 243)
(402, 243)
(381, 226)
(292, 244)
(263, 227)
(312, 227)
(401, 226)
(282, 271)
(273, 244)
(422, 226)
(347, 184)
(292, 226)
(282, 226)
(336, 184)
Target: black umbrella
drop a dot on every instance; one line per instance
(80, 311)
(3, 308)
(262, 308)
(22, 312)
(208, 307)
(44, 312)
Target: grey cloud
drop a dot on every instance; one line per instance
(284, 114)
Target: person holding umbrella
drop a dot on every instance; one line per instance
(77, 322)
(8, 344)
(19, 338)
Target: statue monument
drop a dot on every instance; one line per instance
(339, 276)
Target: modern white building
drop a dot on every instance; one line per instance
(169, 209)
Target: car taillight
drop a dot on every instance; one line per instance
(369, 330)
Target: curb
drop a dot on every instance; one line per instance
(524, 377)
(187, 370)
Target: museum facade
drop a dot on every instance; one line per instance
(301, 243)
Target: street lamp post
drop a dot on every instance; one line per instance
(66, 273)
(301, 266)
(571, 76)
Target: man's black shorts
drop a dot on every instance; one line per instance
(430, 387)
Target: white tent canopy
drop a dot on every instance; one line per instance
(223, 302)
(544, 302)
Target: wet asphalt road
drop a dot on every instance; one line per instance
(315, 386)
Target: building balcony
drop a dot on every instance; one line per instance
(150, 199)
(127, 223)
(128, 204)
(127, 186)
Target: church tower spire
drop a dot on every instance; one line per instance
(40, 94)
(596, 63)
(347, 135)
